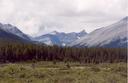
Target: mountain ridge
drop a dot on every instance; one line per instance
(104, 37)
(60, 37)
(13, 30)
(114, 35)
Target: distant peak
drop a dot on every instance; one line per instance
(7, 25)
(54, 32)
(83, 31)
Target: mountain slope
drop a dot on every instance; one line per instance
(8, 37)
(114, 35)
(9, 33)
(60, 38)
(13, 30)
(48, 39)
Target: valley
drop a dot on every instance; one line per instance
(58, 57)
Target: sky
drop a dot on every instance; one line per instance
(36, 17)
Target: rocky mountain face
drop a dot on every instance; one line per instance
(60, 38)
(13, 30)
(115, 35)
(12, 33)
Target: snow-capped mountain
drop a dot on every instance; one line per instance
(60, 38)
(13, 30)
(114, 35)
(48, 39)
(9, 37)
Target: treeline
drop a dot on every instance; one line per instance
(17, 52)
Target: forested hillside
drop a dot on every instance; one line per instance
(17, 52)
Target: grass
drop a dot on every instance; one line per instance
(47, 72)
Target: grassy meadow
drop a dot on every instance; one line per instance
(60, 72)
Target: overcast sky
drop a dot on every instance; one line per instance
(36, 17)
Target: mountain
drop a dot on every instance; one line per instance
(10, 33)
(114, 35)
(60, 38)
(13, 30)
(48, 39)
(8, 37)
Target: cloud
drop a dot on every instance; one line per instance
(36, 17)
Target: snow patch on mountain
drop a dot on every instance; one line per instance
(13, 30)
(115, 33)
(60, 38)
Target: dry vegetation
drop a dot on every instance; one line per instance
(59, 72)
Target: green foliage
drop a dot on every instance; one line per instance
(18, 52)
